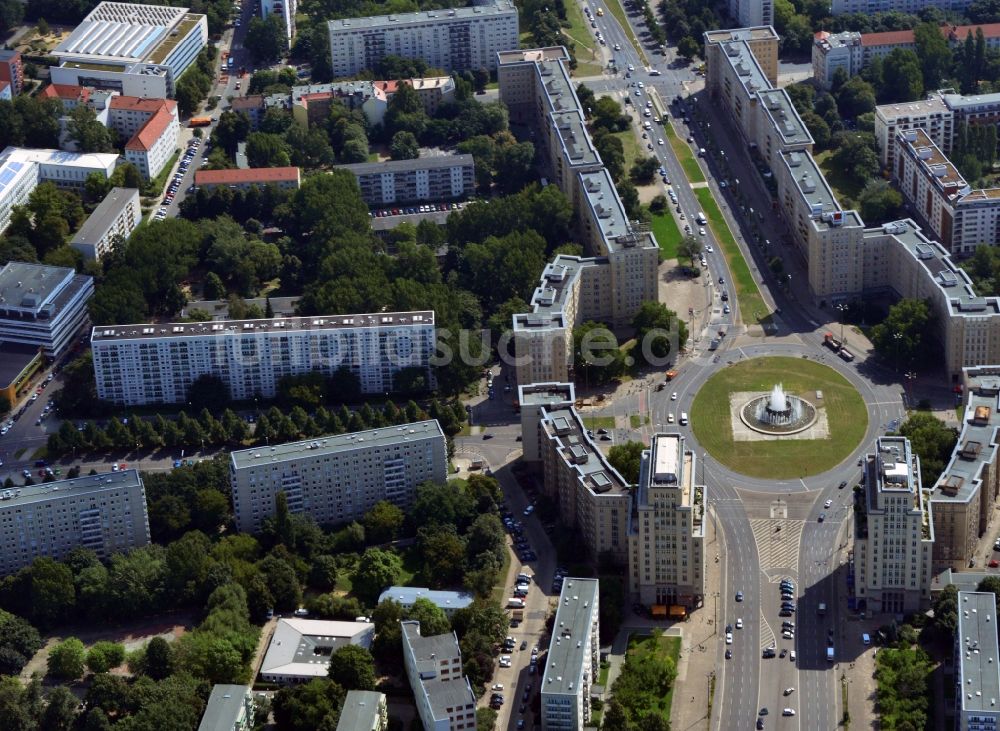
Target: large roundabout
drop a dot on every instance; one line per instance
(742, 416)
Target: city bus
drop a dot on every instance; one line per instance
(200, 122)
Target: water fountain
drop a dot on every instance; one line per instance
(778, 413)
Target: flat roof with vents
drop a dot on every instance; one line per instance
(784, 118)
(568, 659)
(563, 424)
(336, 443)
(84, 485)
(976, 636)
(124, 32)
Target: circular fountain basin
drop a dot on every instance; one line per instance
(788, 415)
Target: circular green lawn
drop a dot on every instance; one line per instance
(784, 458)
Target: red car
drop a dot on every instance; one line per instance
(994, 563)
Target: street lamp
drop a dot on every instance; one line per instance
(842, 309)
(896, 338)
(910, 376)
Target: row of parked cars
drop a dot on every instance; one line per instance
(410, 210)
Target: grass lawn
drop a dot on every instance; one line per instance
(599, 422)
(618, 11)
(683, 152)
(500, 590)
(669, 646)
(588, 62)
(636, 420)
(630, 147)
(787, 458)
(668, 235)
(752, 306)
(846, 190)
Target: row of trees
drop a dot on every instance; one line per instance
(194, 84)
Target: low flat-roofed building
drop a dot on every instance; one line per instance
(17, 364)
(977, 663)
(229, 708)
(363, 710)
(443, 695)
(447, 601)
(300, 649)
(574, 658)
(43, 306)
(287, 178)
(111, 223)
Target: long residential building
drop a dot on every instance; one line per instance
(435, 178)
(105, 513)
(977, 662)
(573, 662)
(894, 531)
(592, 497)
(443, 695)
(286, 178)
(869, 7)
(136, 50)
(828, 237)
(453, 39)
(338, 478)
(749, 13)
(111, 222)
(620, 272)
(43, 306)
(229, 708)
(667, 532)
(967, 491)
(150, 127)
(157, 363)
(364, 710)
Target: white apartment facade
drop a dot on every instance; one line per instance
(338, 478)
(453, 39)
(868, 7)
(284, 10)
(444, 697)
(932, 115)
(832, 51)
(573, 662)
(752, 12)
(894, 536)
(977, 663)
(427, 179)
(43, 306)
(157, 363)
(151, 127)
(667, 531)
(105, 513)
(112, 221)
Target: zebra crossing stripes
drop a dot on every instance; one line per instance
(777, 549)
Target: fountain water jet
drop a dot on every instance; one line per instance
(778, 412)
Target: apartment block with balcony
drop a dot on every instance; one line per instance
(157, 363)
(430, 179)
(667, 530)
(868, 7)
(932, 116)
(338, 478)
(752, 12)
(573, 662)
(364, 710)
(111, 223)
(894, 531)
(105, 513)
(833, 51)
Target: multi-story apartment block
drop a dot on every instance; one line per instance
(311, 103)
(868, 7)
(444, 697)
(832, 51)
(284, 10)
(157, 363)
(762, 61)
(111, 223)
(105, 513)
(433, 91)
(966, 493)
(339, 478)
(427, 179)
(894, 532)
(229, 708)
(931, 115)
(749, 13)
(12, 70)
(667, 532)
(42, 306)
(137, 50)
(592, 497)
(364, 710)
(453, 39)
(151, 128)
(286, 178)
(574, 659)
(977, 663)
(70, 96)
(959, 216)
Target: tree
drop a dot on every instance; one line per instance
(626, 458)
(352, 667)
(267, 150)
(87, 132)
(596, 354)
(383, 522)
(945, 608)
(18, 642)
(689, 248)
(60, 710)
(158, 661)
(644, 170)
(932, 441)
(404, 146)
(208, 392)
(688, 48)
(282, 583)
(309, 706)
(66, 659)
(855, 155)
(857, 96)
(879, 202)
(658, 333)
(902, 77)
(53, 595)
(934, 54)
(103, 656)
(376, 570)
(991, 584)
(900, 337)
(433, 620)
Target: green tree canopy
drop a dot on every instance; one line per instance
(353, 668)
(626, 458)
(900, 337)
(66, 659)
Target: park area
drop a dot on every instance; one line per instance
(786, 457)
(646, 684)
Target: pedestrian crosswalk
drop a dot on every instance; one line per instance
(777, 549)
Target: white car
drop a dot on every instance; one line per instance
(739, 623)
(641, 85)
(670, 418)
(729, 638)
(709, 249)
(788, 635)
(498, 686)
(701, 230)
(789, 691)
(828, 503)
(630, 66)
(659, 141)
(673, 396)
(505, 661)
(787, 711)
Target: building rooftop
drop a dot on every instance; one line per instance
(121, 31)
(887, 38)
(608, 213)
(223, 707)
(423, 83)
(248, 176)
(976, 634)
(150, 133)
(406, 595)
(828, 41)
(577, 449)
(540, 394)
(533, 55)
(969, 102)
(567, 661)
(66, 92)
(85, 485)
(435, 162)
(231, 328)
(554, 291)
(334, 444)
(428, 651)
(669, 464)
(825, 211)
(360, 709)
(754, 33)
(98, 223)
(498, 7)
(743, 62)
(784, 118)
(935, 165)
(902, 111)
(30, 291)
(302, 647)
(305, 92)
(445, 695)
